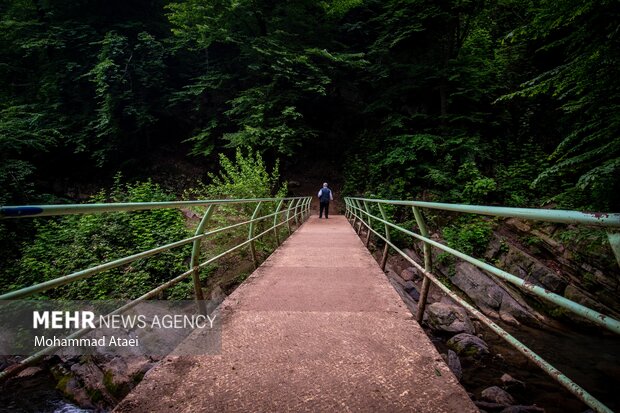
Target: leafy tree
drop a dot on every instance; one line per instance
(578, 52)
(267, 66)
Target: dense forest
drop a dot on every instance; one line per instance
(494, 102)
(497, 102)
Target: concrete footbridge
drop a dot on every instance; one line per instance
(317, 327)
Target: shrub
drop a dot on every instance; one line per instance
(246, 176)
(75, 242)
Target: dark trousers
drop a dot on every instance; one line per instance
(324, 206)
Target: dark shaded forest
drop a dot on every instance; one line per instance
(495, 102)
(503, 102)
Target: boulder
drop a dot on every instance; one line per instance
(468, 345)
(580, 296)
(497, 395)
(407, 299)
(449, 318)
(87, 379)
(121, 374)
(409, 274)
(414, 293)
(490, 297)
(413, 255)
(479, 287)
(454, 363)
(510, 382)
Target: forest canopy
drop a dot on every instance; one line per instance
(498, 102)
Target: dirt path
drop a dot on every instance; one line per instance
(316, 328)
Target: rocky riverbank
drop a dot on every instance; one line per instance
(499, 378)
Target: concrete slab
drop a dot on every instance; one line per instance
(315, 328)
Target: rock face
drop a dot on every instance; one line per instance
(580, 266)
(491, 298)
(468, 345)
(449, 318)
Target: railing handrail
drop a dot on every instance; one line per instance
(354, 206)
(30, 211)
(535, 214)
(299, 206)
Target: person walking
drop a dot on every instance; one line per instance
(325, 195)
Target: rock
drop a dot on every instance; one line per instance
(413, 255)
(30, 372)
(408, 274)
(74, 390)
(509, 381)
(406, 285)
(121, 374)
(414, 293)
(518, 224)
(188, 213)
(479, 287)
(454, 363)
(217, 295)
(495, 394)
(490, 297)
(468, 345)
(513, 313)
(407, 299)
(448, 318)
(581, 297)
(523, 409)
(92, 379)
(489, 406)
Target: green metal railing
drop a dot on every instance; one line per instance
(358, 210)
(286, 210)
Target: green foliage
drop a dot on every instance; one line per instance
(477, 187)
(268, 65)
(245, 177)
(77, 242)
(578, 43)
(469, 235)
(456, 101)
(127, 78)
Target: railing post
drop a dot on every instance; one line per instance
(428, 264)
(288, 214)
(386, 248)
(195, 261)
(295, 213)
(353, 213)
(307, 208)
(359, 210)
(275, 222)
(369, 231)
(251, 235)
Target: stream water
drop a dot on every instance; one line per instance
(590, 360)
(36, 394)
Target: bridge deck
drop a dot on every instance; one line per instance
(316, 328)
